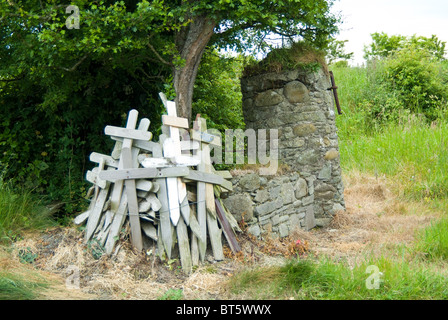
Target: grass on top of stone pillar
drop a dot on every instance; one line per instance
(298, 55)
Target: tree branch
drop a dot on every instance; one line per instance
(75, 65)
(159, 56)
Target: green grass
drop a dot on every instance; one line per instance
(407, 148)
(327, 280)
(16, 287)
(20, 211)
(432, 242)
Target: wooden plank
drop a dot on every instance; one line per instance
(171, 148)
(181, 190)
(175, 121)
(205, 137)
(184, 246)
(131, 191)
(92, 177)
(81, 218)
(141, 144)
(118, 185)
(156, 204)
(165, 228)
(117, 223)
(149, 229)
(108, 160)
(224, 174)
(144, 173)
(95, 213)
(215, 233)
(183, 160)
(144, 185)
(202, 219)
(195, 233)
(189, 145)
(208, 178)
(228, 232)
(173, 200)
(185, 210)
(165, 222)
(128, 133)
(150, 162)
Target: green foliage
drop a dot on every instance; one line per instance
(416, 78)
(384, 46)
(217, 95)
(20, 211)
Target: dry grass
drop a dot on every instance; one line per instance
(375, 222)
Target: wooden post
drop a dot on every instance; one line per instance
(215, 233)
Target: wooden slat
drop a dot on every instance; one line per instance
(228, 232)
(205, 137)
(208, 178)
(128, 133)
(118, 185)
(215, 233)
(184, 246)
(136, 234)
(117, 223)
(141, 144)
(108, 160)
(95, 213)
(189, 145)
(165, 222)
(92, 177)
(144, 173)
(185, 210)
(175, 121)
(171, 148)
(149, 229)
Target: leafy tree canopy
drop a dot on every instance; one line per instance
(173, 33)
(383, 45)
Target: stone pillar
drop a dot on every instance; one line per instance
(309, 191)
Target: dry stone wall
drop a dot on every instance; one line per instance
(309, 192)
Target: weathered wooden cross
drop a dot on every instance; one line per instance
(148, 183)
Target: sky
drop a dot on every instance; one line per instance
(361, 18)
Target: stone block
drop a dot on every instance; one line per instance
(304, 129)
(268, 98)
(331, 154)
(268, 207)
(250, 182)
(296, 92)
(310, 220)
(301, 188)
(261, 196)
(283, 230)
(239, 205)
(287, 193)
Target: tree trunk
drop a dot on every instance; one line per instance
(191, 42)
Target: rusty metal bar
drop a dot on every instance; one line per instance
(335, 92)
